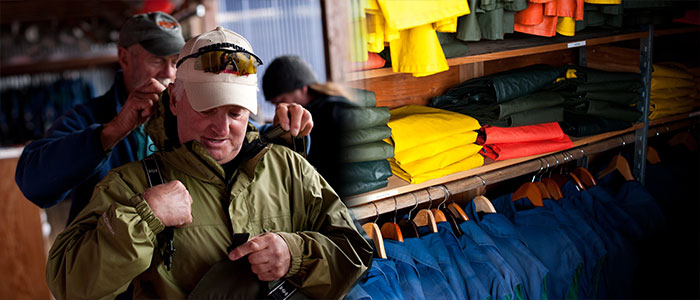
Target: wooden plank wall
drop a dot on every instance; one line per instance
(22, 252)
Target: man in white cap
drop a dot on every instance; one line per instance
(222, 184)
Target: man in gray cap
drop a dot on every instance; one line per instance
(107, 132)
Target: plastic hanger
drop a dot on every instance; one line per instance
(391, 230)
(437, 212)
(425, 216)
(372, 230)
(620, 164)
(653, 156)
(408, 227)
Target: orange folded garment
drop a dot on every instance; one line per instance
(519, 134)
(514, 150)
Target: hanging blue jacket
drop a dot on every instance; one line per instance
(433, 282)
(546, 239)
(589, 245)
(69, 160)
(488, 262)
(379, 282)
(637, 202)
(409, 280)
(514, 250)
(444, 248)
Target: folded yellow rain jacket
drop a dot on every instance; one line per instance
(415, 125)
(439, 161)
(463, 165)
(435, 147)
(671, 70)
(658, 83)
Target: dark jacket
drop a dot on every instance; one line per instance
(69, 160)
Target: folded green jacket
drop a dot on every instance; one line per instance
(536, 116)
(366, 135)
(365, 171)
(365, 117)
(588, 75)
(367, 152)
(604, 109)
(586, 125)
(364, 98)
(359, 187)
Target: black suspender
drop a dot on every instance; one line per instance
(151, 166)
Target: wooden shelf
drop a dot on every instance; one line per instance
(398, 186)
(519, 44)
(10, 152)
(58, 65)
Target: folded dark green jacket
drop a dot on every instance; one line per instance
(367, 152)
(365, 171)
(535, 116)
(499, 88)
(588, 75)
(586, 125)
(365, 117)
(359, 187)
(364, 98)
(366, 135)
(622, 98)
(604, 109)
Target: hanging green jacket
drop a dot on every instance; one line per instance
(112, 242)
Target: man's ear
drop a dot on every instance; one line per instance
(123, 55)
(172, 102)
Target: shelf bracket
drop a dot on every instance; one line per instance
(645, 66)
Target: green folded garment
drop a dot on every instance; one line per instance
(585, 125)
(604, 109)
(622, 98)
(366, 135)
(359, 187)
(530, 102)
(588, 75)
(363, 98)
(613, 86)
(367, 152)
(365, 117)
(365, 171)
(536, 116)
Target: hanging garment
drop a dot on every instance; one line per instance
(623, 222)
(451, 46)
(547, 240)
(514, 251)
(433, 282)
(379, 282)
(639, 204)
(409, 280)
(358, 51)
(458, 271)
(489, 263)
(623, 258)
(366, 135)
(588, 245)
(463, 165)
(402, 15)
(367, 152)
(414, 125)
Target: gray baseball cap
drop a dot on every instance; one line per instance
(157, 32)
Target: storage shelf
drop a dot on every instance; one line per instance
(58, 65)
(10, 152)
(519, 44)
(398, 186)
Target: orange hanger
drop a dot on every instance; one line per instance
(653, 156)
(425, 217)
(391, 230)
(586, 178)
(618, 163)
(375, 234)
(531, 191)
(483, 204)
(553, 188)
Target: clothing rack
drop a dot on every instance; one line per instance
(363, 209)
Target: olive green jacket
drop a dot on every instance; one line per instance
(113, 240)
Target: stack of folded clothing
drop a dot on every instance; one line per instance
(598, 101)
(673, 91)
(512, 98)
(491, 20)
(431, 143)
(506, 143)
(365, 166)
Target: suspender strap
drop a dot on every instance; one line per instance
(151, 166)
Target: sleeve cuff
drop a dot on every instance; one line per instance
(295, 244)
(147, 215)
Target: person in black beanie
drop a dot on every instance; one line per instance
(289, 79)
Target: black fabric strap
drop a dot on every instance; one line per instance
(151, 166)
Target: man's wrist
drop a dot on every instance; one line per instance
(110, 136)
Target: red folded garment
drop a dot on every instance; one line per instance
(505, 151)
(539, 132)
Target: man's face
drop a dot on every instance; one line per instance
(220, 130)
(141, 66)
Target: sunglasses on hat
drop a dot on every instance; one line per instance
(217, 58)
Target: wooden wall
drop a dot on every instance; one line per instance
(22, 252)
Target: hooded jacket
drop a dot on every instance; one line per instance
(113, 240)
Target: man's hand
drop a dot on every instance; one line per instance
(171, 203)
(293, 118)
(269, 256)
(139, 106)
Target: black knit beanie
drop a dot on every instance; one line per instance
(285, 74)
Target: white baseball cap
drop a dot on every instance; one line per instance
(219, 68)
